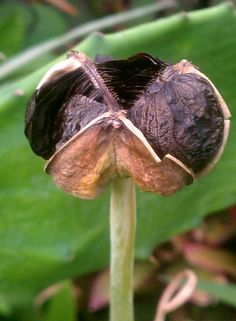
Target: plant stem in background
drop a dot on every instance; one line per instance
(18, 61)
(122, 234)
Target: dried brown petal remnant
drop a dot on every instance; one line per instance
(161, 124)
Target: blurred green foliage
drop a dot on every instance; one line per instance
(47, 236)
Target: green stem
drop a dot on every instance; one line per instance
(122, 233)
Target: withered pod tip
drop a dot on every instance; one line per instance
(161, 124)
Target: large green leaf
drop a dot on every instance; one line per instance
(14, 20)
(222, 292)
(45, 16)
(63, 305)
(47, 236)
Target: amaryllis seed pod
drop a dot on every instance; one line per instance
(161, 124)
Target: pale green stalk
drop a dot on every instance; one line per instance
(122, 234)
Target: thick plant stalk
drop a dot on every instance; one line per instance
(122, 234)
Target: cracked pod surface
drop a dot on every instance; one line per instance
(161, 124)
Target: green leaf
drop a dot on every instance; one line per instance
(14, 20)
(4, 306)
(47, 236)
(63, 305)
(44, 17)
(223, 292)
(24, 26)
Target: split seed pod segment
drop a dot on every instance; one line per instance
(161, 124)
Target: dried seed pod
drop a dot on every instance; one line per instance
(161, 124)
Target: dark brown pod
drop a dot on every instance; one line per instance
(182, 114)
(160, 124)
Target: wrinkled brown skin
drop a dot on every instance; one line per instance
(177, 124)
(176, 119)
(85, 169)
